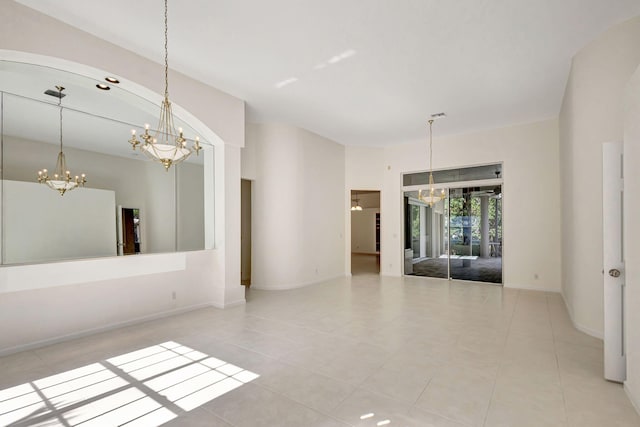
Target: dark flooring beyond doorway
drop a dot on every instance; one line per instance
(365, 264)
(478, 270)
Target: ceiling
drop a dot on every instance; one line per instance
(93, 120)
(365, 72)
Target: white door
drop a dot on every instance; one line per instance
(615, 364)
(119, 230)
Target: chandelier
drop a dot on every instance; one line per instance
(357, 206)
(61, 180)
(165, 146)
(431, 195)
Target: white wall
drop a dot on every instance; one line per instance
(632, 235)
(592, 113)
(531, 201)
(363, 231)
(298, 206)
(210, 277)
(40, 225)
(364, 170)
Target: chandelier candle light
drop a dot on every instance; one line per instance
(357, 206)
(61, 180)
(165, 146)
(429, 196)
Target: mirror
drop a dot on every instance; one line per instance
(38, 225)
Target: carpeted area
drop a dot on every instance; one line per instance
(479, 269)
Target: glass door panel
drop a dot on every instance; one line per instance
(475, 234)
(425, 238)
(458, 238)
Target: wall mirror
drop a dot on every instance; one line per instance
(39, 225)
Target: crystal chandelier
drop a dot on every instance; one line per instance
(165, 146)
(61, 180)
(431, 195)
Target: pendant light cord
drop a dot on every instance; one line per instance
(60, 88)
(430, 146)
(166, 53)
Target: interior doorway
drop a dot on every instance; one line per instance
(365, 232)
(128, 221)
(245, 232)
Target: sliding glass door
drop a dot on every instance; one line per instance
(475, 233)
(459, 237)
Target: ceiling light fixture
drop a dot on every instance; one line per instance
(429, 196)
(357, 206)
(112, 80)
(103, 86)
(61, 180)
(165, 146)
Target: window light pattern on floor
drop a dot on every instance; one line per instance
(147, 387)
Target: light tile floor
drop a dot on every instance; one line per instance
(370, 349)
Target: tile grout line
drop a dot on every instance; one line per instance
(555, 354)
(495, 382)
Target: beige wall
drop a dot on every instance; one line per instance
(298, 206)
(363, 231)
(210, 277)
(592, 113)
(632, 233)
(531, 201)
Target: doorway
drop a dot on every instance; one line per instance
(129, 242)
(245, 232)
(365, 232)
(459, 237)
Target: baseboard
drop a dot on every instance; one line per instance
(295, 285)
(106, 328)
(588, 331)
(230, 304)
(531, 288)
(632, 398)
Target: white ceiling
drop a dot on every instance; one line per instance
(93, 120)
(369, 72)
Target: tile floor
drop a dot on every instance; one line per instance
(374, 351)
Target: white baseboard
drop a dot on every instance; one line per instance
(109, 327)
(295, 285)
(531, 288)
(230, 304)
(632, 398)
(581, 328)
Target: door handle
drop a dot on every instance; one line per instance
(614, 272)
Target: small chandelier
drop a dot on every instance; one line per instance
(165, 146)
(357, 206)
(61, 180)
(431, 196)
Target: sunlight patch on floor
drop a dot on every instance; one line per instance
(147, 387)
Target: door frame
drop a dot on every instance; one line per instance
(447, 187)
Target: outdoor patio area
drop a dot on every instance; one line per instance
(462, 268)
